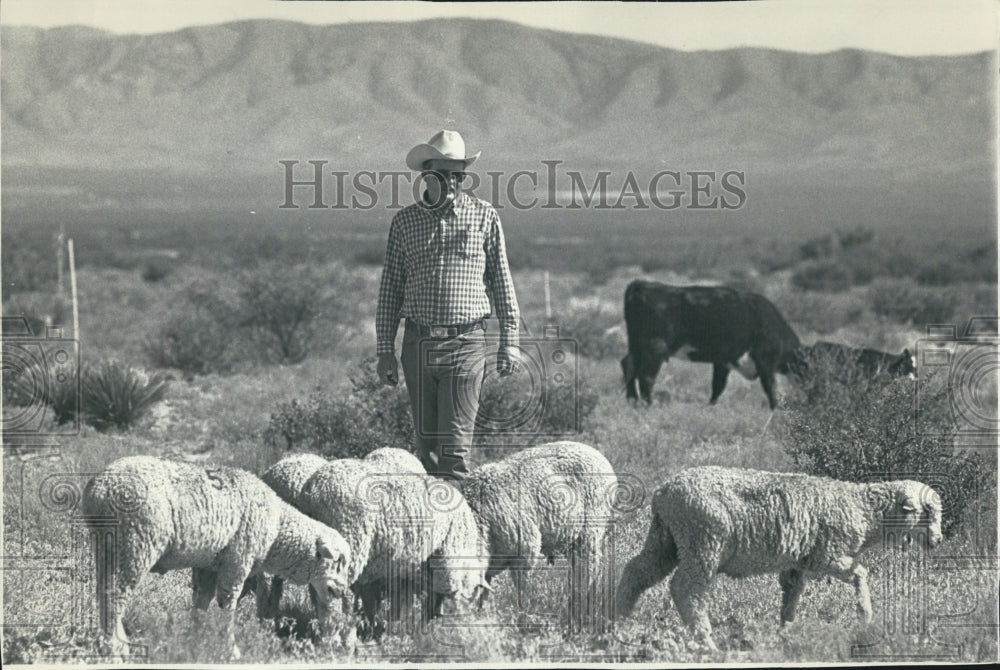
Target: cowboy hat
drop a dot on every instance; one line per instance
(446, 145)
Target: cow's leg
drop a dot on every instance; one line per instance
(720, 373)
(628, 373)
(768, 382)
(647, 372)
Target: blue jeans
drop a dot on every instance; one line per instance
(444, 378)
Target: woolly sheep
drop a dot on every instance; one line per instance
(289, 476)
(397, 520)
(547, 500)
(709, 520)
(224, 522)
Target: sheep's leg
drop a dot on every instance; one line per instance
(793, 583)
(650, 566)
(203, 583)
(370, 595)
(401, 599)
(585, 573)
(690, 587)
(269, 598)
(232, 575)
(857, 575)
(119, 571)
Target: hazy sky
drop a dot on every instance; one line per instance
(905, 27)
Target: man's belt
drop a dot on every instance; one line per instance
(445, 331)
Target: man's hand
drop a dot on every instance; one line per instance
(507, 360)
(387, 369)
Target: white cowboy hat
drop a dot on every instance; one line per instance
(446, 145)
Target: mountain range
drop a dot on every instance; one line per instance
(230, 101)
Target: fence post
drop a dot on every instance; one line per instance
(72, 289)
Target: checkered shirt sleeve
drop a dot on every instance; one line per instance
(443, 267)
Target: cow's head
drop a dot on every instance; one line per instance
(904, 365)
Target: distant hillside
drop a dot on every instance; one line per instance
(232, 100)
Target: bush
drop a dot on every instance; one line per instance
(48, 384)
(594, 333)
(157, 269)
(280, 305)
(28, 265)
(827, 275)
(198, 337)
(370, 417)
(860, 429)
(370, 256)
(907, 303)
(520, 410)
(116, 395)
(831, 244)
(818, 312)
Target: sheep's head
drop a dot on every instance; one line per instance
(918, 506)
(328, 575)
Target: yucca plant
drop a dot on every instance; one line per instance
(116, 395)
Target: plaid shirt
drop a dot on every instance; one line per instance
(445, 267)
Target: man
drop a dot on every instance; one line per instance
(445, 264)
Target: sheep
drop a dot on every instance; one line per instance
(397, 520)
(223, 522)
(547, 500)
(289, 476)
(738, 522)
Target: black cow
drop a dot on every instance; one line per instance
(731, 329)
(847, 362)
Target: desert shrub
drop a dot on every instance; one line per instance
(157, 269)
(370, 256)
(977, 265)
(864, 264)
(592, 331)
(520, 409)
(279, 306)
(819, 312)
(116, 395)
(198, 336)
(28, 265)
(854, 428)
(651, 264)
(906, 302)
(826, 275)
(371, 416)
(775, 257)
(833, 243)
(48, 383)
(40, 310)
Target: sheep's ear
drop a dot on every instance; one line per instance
(322, 550)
